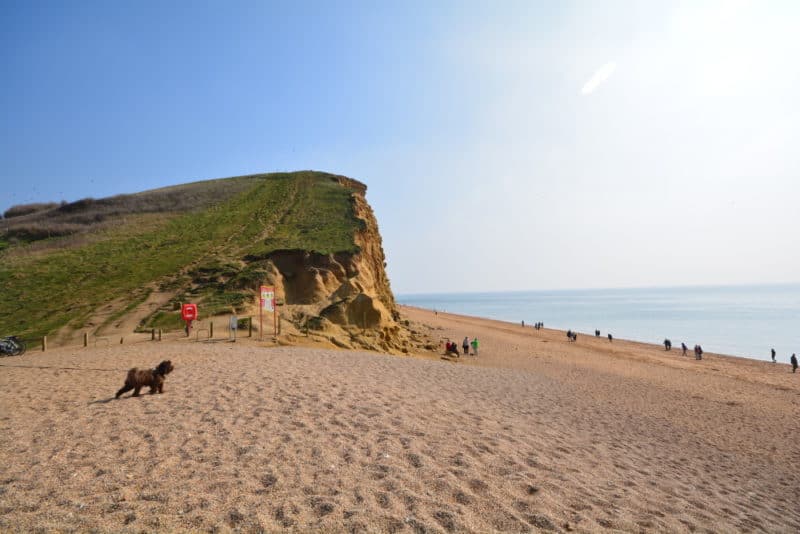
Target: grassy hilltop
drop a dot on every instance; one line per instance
(60, 263)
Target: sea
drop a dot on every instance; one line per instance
(745, 321)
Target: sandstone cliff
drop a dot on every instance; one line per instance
(344, 297)
(109, 266)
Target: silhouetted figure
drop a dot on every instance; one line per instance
(597, 333)
(667, 344)
(793, 359)
(465, 345)
(569, 335)
(698, 352)
(773, 356)
(574, 336)
(610, 337)
(683, 346)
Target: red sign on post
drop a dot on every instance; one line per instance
(189, 312)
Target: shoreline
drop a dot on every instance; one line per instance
(675, 346)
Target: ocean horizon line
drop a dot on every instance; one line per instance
(754, 285)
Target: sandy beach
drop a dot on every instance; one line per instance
(534, 434)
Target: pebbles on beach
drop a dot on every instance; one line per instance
(553, 436)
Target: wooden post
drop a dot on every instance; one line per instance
(120, 340)
(211, 329)
(250, 326)
(153, 334)
(85, 339)
(44, 343)
(159, 334)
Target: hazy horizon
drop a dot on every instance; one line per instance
(775, 285)
(574, 145)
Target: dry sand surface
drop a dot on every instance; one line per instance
(534, 434)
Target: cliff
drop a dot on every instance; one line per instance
(113, 265)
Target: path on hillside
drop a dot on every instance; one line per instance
(101, 324)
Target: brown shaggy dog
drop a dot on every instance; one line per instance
(139, 378)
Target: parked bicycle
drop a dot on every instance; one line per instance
(12, 346)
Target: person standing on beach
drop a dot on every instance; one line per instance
(773, 355)
(683, 346)
(475, 346)
(793, 359)
(465, 345)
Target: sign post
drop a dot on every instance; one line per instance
(189, 314)
(267, 303)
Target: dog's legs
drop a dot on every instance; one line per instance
(125, 388)
(136, 391)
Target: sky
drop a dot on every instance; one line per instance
(505, 145)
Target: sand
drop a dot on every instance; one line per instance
(534, 434)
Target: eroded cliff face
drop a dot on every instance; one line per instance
(342, 297)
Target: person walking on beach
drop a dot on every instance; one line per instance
(475, 346)
(698, 352)
(465, 345)
(683, 346)
(793, 359)
(773, 355)
(610, 337)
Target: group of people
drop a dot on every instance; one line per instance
(572, 336)
(792, 360)
(451, 347)
(698, 350)
(597, 334)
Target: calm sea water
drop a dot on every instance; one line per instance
(742, 321)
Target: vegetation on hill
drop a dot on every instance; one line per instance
(61, 263)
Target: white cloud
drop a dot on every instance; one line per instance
(602, 74)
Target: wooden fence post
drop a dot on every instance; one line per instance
(85, 339)
(211, 329)
(159, 334)
(250, 326)
(44, 343)
(153, 334)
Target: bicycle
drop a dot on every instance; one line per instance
(12, 346)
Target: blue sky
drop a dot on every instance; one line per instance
(506, 145)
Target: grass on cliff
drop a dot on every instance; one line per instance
(49, 287)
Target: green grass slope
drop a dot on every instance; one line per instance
(155, 243)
